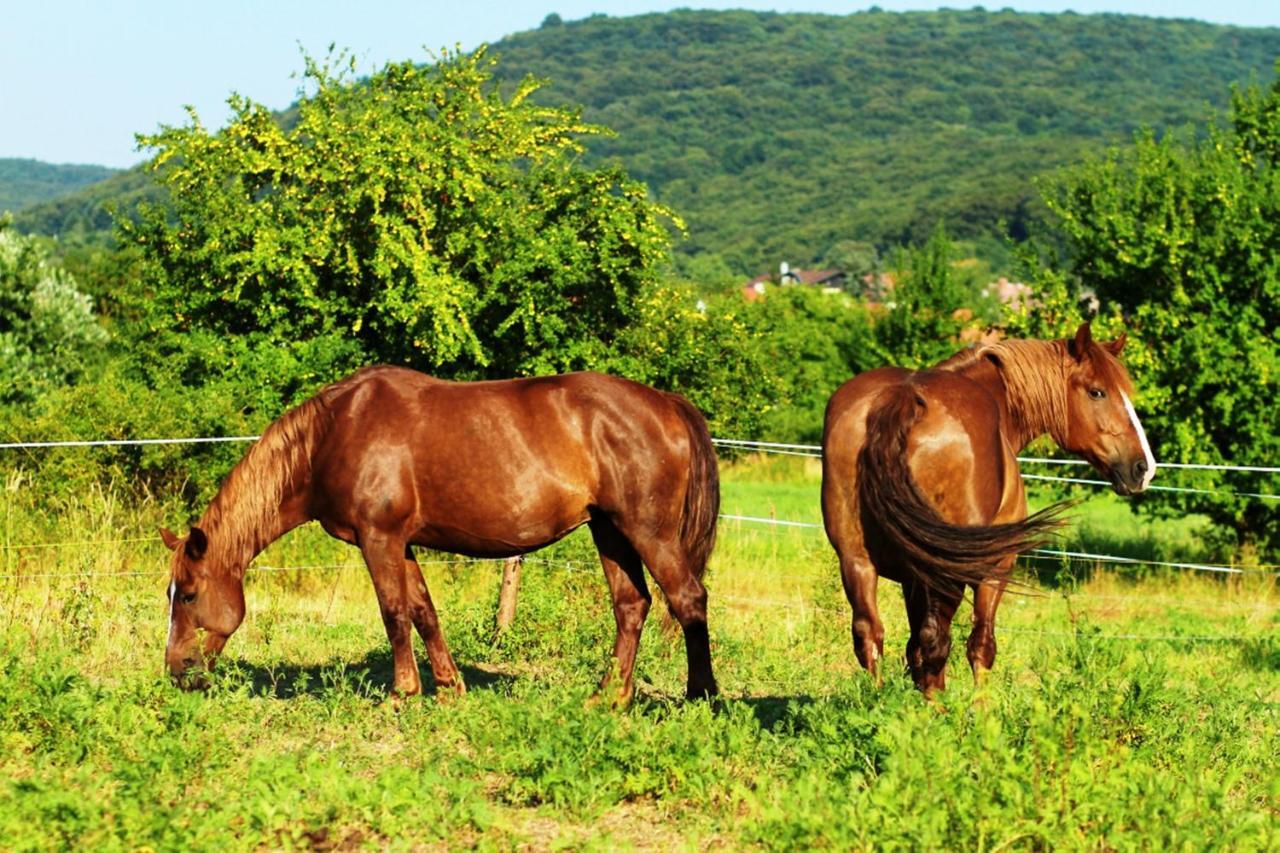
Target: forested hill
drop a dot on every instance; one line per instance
(777, 136)
(24, 182)
(793, 136)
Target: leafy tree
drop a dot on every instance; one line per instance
(856, 257)
(932, 301)
(48, 331)
(714, 351)
(816, 341)
(1183, 238)
(420, 217)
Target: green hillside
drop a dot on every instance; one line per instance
(780, 136)
(83, 215)
(24, 182)
(776, 136)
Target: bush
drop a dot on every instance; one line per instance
(48, 331)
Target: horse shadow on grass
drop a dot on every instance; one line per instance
(370, 677)
(778, 713)
(772, 713)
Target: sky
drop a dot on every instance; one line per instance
(78, 78)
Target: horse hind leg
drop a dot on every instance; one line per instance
(631, 601)
(860, 581)
(423, 614)
(686, 596)
(930, 613)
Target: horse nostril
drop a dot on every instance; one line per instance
(1139, 469)
(187, 663)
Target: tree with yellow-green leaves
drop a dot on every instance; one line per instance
(423, 216)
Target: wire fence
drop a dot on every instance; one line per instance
(805, 450)
(1053, 554)
(814, 451)
(773, 447)
(796, 604)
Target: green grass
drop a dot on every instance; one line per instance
(1080, 740)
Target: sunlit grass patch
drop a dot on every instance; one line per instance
(1126, 709)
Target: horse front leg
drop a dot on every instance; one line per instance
(423, 614)
(385, 557)
(982, 639)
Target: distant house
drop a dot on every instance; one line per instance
(830, 280)
(754, 289)
(815, 278)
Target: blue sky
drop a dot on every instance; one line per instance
(79, 77)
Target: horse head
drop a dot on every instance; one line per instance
(206, 605)
(1102, 425)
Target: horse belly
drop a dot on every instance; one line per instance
(512, 510)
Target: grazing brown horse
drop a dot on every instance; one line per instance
(389, 458)
(920, 480)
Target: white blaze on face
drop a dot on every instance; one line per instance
(173, 594)
(1142, 437)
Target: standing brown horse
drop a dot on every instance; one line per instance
(390, 458)
(920, 480)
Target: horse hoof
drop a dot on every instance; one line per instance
(619, 702)
(451, 691)
(707, 692)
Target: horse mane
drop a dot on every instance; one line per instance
(245, 514)
(1035, 378)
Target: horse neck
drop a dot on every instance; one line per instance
(1029, 381)
(264, 496)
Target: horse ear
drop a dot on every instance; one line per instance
(1080, 344)
(169, 538)
(197, 543)
(1118, 344)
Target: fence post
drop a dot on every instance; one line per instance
(507, 594)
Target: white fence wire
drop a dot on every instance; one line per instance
(774, 447)
(816, 450)
(806, 450)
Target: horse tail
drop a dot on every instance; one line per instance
(702, 494)
(937, 554)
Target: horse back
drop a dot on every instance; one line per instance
(494, 467)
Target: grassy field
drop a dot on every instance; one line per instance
(1090, 734)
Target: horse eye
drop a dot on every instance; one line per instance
(187, 597)
(1097, 393)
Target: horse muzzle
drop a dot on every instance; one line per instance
(1129, 478)
(189, 668)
